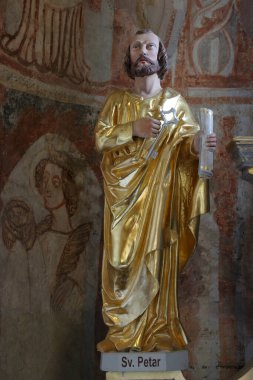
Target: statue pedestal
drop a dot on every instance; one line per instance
(176, 375)
(144, 365)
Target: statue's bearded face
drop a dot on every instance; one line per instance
(143, 54)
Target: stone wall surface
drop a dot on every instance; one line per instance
(58, 61)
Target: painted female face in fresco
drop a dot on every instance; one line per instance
(51, 189)
(56, 185)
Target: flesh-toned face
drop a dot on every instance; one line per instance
(143, 53)
(52, 186)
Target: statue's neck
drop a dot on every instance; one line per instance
(147, 86)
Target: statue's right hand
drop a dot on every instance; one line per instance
(146, 127)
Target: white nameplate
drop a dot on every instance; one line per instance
(144, 361)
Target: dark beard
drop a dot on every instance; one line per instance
(144, 70)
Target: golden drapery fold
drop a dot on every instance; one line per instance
(151, 218)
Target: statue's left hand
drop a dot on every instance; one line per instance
(211, 142)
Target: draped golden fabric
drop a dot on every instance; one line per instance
(151, 218)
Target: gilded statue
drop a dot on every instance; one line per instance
(153, 201)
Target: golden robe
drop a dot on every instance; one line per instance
(151, 217)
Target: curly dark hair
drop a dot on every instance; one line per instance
(162, 57)
(69, 187)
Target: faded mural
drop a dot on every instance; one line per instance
(58, 61)
(212, 33)
(50, 35)
(49, 249)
